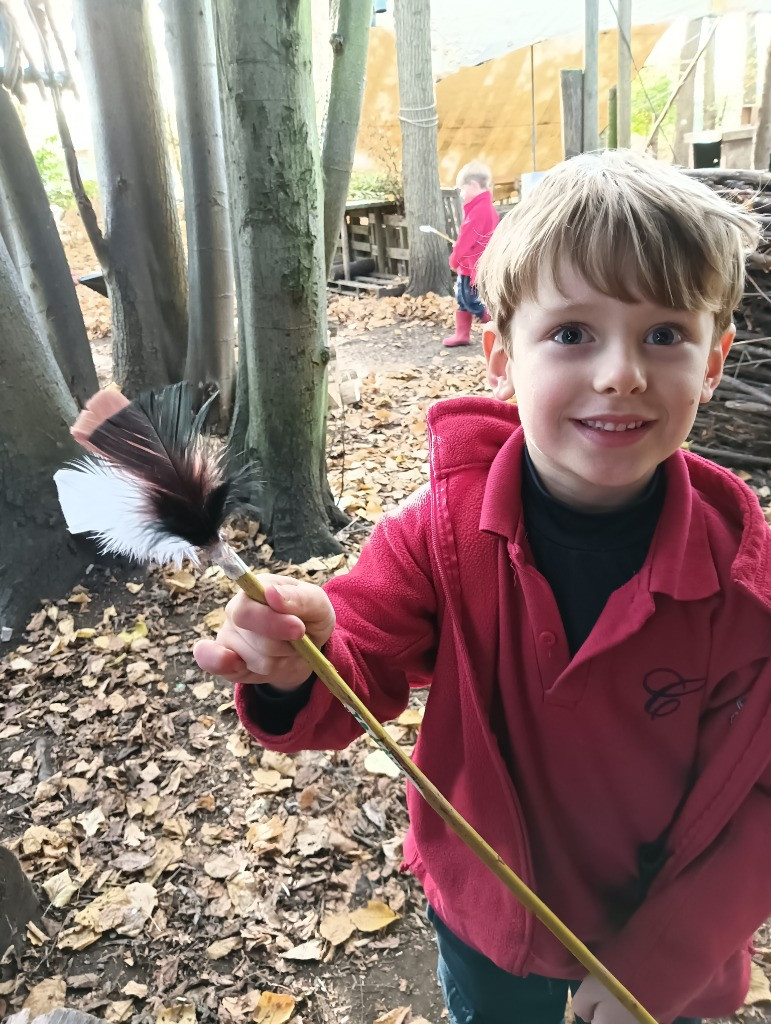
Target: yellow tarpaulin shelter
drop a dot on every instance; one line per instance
(485, 111)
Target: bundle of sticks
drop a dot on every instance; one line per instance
(735, 428)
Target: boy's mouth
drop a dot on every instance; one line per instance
(613, 426)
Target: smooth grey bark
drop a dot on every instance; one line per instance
(429, 270)
(349, 42)
(37, 251)
(143, 258)
(684, 101)
(6, 231)
(38, 558)
(762, 155)
(212, 329)
(264, 52)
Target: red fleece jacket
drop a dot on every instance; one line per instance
(660, 722)
(480, 219)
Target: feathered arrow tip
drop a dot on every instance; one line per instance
(151, 488)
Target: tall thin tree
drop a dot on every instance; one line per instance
(264, 52)
(349, 43)
(212, 329)
(141, 251)
(34, 244)
(429, 270)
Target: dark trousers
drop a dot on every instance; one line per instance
(477, 991)
(467, 296)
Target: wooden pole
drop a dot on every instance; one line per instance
(624, 94)
(346, 250)
(591, 75)
(572, 91)
(613, 118)
(532, 104)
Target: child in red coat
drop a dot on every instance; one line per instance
(480, 219)
(591, 607)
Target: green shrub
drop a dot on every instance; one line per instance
(53, 173)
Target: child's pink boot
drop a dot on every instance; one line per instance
(462, 334)
(486, 318)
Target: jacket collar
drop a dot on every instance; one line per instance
(483, 199)
(702, 498)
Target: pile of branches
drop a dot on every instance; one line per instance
(735, 428)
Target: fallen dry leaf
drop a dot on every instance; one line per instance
(224, 947)
(184, 1013)
(48, 995)
(374, 916)
(311, 950)
(60, 889)
(336, 928)
(760, 989)
(274, 1008)
(379, 763)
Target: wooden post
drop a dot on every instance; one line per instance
(346, 248)
(571, 88)
(591, 74)
(532, 106)
(612, 142)
(380, 241)
(624, 94)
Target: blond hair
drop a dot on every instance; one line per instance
(475, 171)
(632, 227)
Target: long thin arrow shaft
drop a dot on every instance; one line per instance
(239, 572)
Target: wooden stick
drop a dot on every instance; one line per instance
(239, 572)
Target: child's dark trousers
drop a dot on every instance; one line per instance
(468, 297)
(477, 991)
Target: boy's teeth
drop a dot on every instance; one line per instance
(602, 425)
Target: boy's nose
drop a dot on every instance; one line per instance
(619, 372)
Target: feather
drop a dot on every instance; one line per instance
(98, 498)
(156, 439)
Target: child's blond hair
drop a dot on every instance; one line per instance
(475, 171)
(632, 227)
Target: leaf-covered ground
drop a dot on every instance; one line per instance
(185, 873)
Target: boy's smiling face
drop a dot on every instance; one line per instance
(606, 389)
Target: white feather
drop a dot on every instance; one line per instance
(113, 506)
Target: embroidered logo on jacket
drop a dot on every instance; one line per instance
(666, 689)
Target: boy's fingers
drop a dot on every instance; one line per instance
(272, 622)
(218, 660)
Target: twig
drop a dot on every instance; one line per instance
(739, 458)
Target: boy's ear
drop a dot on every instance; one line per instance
(498, 376)
(715, 363)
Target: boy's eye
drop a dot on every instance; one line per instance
(570, 335)
(663, 336)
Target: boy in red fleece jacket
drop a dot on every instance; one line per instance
(480, 219)
(591, 607)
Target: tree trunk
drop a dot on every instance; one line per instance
(349, 45)
(38, 557)
(429, 270)
(684, 101)
(145, 268)
(762, 159)
(38, 253)
(212, 329)
(270, 127)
